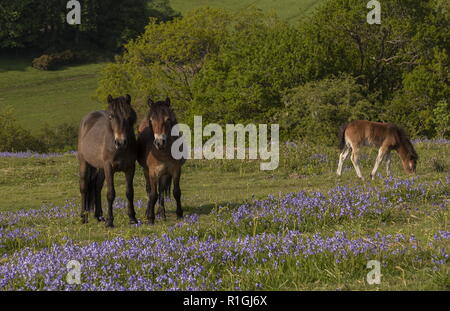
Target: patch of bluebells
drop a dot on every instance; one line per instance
(440, 141)
(181, 262)
(295, 209)
(17, 235)
(32, 154)
(188, 262)
(10, 218)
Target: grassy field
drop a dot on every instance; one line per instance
(291, 10)
(53, 97)
(242, 230)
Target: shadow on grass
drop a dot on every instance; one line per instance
(206, 209)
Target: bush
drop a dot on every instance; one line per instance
(44, 62)
(53, 61)
(14, 138)
(316, 110)
(59, 138)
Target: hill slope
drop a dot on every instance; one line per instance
(287, 9)
(53, 97)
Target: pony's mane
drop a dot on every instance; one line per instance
(123, 109)
(404, 139)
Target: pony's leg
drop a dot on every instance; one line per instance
(129, 175)
(111, 195)
(355, 158)
(381, 153)
(151, 186)
(177, 192)
(161, 209)
(163, 184)
(98, 195)
(342, 157)
(388, 163)
(84, 169)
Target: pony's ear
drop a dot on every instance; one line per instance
(110, 98)
(150, 102)
(167, 101)
(128, 99)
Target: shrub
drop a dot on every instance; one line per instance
(59, 138)
(52, 61)
(316, 110)
(44, 62)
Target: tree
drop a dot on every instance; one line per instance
(260, 58)
(105, 24)
(164, 60)
(316, 110)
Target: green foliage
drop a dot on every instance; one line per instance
(164, 60)
(339, 39)
(243, 82)
(442, 118)
(14, 138)
(316, 110)
(236, 67)
(59, 138)
(105, 25)
(423, 88)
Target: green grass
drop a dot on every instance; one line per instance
(291, 10)
(53, 97)
(208, 185)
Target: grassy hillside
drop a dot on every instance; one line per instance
(287, 9)
(54, 97)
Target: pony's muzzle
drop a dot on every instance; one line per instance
(160, 142)
(120, 143)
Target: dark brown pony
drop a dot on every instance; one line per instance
(155, 157)
(385, 136)
(107, 144)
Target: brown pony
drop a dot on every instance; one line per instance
(385, 136)
(155, 157)
(107, 144)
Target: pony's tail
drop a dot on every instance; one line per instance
(165, 183)
(342, 136)
(91, 193)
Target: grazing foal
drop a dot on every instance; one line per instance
(107, 144)
(385, 136)
(155, 157)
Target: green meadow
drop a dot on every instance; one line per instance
(410, 222)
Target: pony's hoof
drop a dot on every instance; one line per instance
(133, 221)
(109, 224)
(150, 222)
(101, 218)
(84, 220)
(179, 216)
